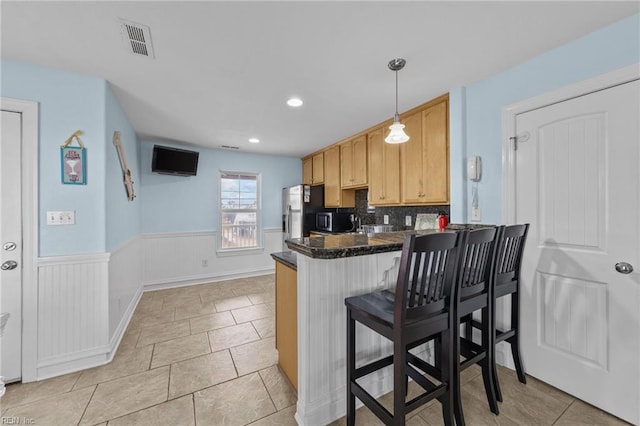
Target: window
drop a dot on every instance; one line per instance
(239, 211)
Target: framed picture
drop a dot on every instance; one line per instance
(73, 162)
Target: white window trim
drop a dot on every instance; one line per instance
(259, 247)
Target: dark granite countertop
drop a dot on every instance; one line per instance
(287, 258)
(348, 245)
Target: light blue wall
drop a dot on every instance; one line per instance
(457, 155)
(184, 204)
(122, 215)
(608, 49)
(67, 102)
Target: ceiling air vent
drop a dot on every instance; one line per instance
(137, 38)
(229, 147)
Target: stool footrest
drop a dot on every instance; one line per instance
(373, 366)
(504, 335)
(377, 408)
(476, 324)
(472, 352)
(423, 365)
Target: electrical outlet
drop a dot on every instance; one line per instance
(385, 219)
(205, 263)
(475, 214)
(407, 220)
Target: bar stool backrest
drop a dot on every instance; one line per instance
(509, 256)
(477, 262)
(427, 275)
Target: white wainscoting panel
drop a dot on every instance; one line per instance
(191, 257)
(125, 287)
(322, 287)
(73, 316)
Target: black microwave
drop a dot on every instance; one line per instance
(333, 222)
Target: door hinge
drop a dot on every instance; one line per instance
(522, 137)
(514, 139)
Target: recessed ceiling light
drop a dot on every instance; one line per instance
(294, 102)
(254, 140)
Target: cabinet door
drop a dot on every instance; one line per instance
(332, 177)
(318, 169)
(435, 142)
(307, 171)
(346, 164)
(353, 163)
(359, 161)
(384, 171)
(287, 321)
(412, 161)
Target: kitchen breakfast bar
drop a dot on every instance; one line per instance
(312, 351)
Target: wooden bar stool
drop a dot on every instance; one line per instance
(507, 283)
(475, 294)
(420, 309)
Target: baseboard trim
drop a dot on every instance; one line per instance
(76, 362)
(124, 323)
(204, 279)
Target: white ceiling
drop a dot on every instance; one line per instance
(223, 70)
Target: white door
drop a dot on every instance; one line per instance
(11, 246)
(578, 185)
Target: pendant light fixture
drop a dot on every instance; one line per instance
(396, 132)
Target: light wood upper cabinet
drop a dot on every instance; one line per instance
(313, 169)
(318, 169)
(353, 162)
(411, 158)
(332, 188)
(384, 169)
(424, 159)
(334, 195)
(307, 171)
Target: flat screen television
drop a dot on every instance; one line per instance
(174, 161)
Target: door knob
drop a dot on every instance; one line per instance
(624, 268)
(9, 265)
(10, 246)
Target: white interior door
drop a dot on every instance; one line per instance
(11, 246)
(578, 185)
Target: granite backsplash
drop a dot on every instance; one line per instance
(369, 216)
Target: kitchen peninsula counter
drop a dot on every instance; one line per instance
(329, 269)
(355, 244)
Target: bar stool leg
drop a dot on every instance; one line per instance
(455, 367)
(399, 381)
(487, 364)
(515, 340)
(447, 400)
(351, 368)
(494, 369)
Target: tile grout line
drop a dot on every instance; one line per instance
(88, 402)
(562, 414)
(193, 404)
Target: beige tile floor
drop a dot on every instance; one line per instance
(205, 355)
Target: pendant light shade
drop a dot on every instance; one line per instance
(396, 130)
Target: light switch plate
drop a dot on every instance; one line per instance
(61, 218)
(475, 214)
(386, 219)
(407, 220)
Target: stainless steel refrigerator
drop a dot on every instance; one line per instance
(299, 206)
